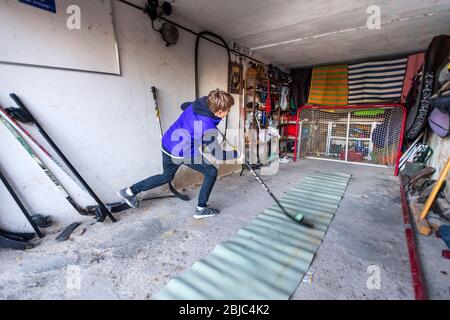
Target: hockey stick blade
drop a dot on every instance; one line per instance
(177, 194)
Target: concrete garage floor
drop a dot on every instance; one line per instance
(137, 256)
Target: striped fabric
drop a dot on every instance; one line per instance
(373, 82)
(329, 86)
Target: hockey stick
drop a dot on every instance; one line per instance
(21, 206)
(103, 209)
(8, 242)
(299, 218)
(158, 117)
(18, 236)
(11, 115)
(42, 165)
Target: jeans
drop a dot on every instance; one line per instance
(170, 167)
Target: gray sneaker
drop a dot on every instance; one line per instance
(214, 209)
(205, 213)
(132, 201)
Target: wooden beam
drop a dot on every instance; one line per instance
(422, 225)
(435, 191)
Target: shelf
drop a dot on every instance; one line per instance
(279, 83)
(251, 109)
(254, 90)
(370, 121)
(287, 138)
(254, 144)
(260, 109)
(253, 79)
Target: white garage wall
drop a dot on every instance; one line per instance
(104, 124)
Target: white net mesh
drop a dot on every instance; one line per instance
(369, 136)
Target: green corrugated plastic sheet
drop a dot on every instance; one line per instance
(268, 258)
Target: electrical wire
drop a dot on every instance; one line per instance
(197, 43)
(192, 32)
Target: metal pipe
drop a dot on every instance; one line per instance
(192, 32)
(197, 43)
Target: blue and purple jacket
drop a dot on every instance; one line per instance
(195, 129)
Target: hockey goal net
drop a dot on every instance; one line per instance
(365, 134)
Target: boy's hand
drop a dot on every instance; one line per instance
(240, 158)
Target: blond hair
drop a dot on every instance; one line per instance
(219, 100)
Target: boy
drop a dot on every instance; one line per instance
(195, 129)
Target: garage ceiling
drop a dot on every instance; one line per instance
(295, 33)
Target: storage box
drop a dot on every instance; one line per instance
(352, 156)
